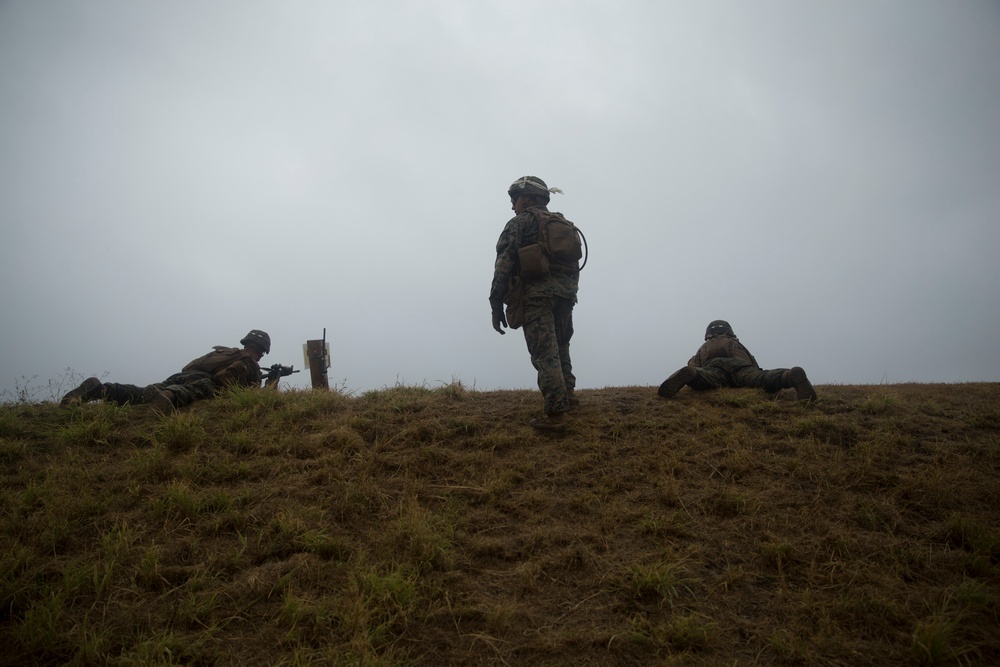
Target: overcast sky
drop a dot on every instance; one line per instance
(825, 175)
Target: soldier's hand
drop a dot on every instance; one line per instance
(498, 320)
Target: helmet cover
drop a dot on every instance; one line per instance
(258, 338)
(718, 328)
(531, 186)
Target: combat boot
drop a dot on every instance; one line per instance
(89, 389)
(796, 378)
(553, 423)
(675, 382)
(161, 400)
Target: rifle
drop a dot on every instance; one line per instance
(274, 373)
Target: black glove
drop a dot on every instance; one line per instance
(498, 320)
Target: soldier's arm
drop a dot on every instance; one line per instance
(240, 372)
(507, 246)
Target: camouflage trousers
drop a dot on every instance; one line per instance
(723, 372)
(185, 388)
(548, 326)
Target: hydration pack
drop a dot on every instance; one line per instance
(560, 243)
(213, 362)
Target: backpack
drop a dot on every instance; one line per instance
(560, 242)
(215, 361)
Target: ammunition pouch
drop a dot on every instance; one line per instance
(533, 261)
(514, 300)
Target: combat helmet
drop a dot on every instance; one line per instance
(258, 338)
(718, 328)
(532, 186)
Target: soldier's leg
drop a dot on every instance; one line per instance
(775, 379)
(713, 375)
(186, 393)
(756, 378)
(122, 393)
(90, 389)
(563, 315)
(676, 382)
(543, 346)
(796, 377)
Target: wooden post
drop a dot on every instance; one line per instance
(316, 351)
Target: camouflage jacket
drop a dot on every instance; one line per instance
(228, 366)
(520, 231)
(724, 347)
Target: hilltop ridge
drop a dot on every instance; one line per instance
(432, 526)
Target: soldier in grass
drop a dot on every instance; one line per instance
(546, 301)
(200, 379)
(723, 361)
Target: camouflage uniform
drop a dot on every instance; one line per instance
(194, 383)
(723, 361)
(548, 311)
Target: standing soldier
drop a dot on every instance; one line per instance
(547, 297)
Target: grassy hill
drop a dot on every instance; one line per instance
(431, 526)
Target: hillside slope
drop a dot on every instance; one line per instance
(420, 526)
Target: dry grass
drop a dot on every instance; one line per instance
(416, 526)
